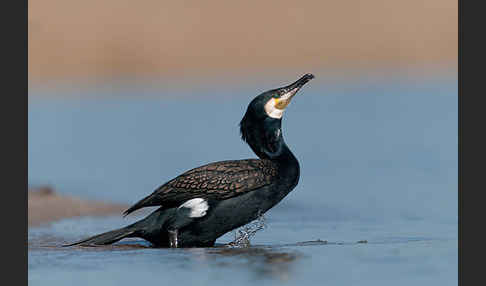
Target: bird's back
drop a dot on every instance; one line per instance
(219, 180)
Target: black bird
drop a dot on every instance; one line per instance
(204, 203)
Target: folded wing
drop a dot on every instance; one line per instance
(219, 180)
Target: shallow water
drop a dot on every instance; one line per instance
(378, 164)
(338, 253)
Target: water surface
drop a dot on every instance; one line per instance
(378, 164)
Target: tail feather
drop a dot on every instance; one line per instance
(106, 237)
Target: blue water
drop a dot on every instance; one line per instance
(378, 163)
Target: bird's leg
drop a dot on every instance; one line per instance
(173, 238)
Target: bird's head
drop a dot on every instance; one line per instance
(264, 113)
(273, 103)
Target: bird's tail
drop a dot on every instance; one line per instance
(105, 238)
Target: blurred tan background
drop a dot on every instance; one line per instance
(106, 39)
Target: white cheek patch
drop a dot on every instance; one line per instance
(272, 111)
(198, 207)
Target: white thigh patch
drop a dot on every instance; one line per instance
(198, 207)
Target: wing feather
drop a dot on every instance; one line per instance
(219, 180)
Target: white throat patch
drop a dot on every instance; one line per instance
(272, 111)
(198, 207)
(275, 107)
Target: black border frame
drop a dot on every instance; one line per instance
(471, 141)
(14, 140)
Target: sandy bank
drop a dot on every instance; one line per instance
(73, 39)
(45, 205)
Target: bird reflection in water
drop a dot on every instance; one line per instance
(263, 262)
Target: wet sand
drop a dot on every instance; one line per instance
(45, 205)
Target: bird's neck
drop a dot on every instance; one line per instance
(288, 165)
(285, 156)
(265, 138)
(268, 143)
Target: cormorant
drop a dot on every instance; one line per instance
(204, 203)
